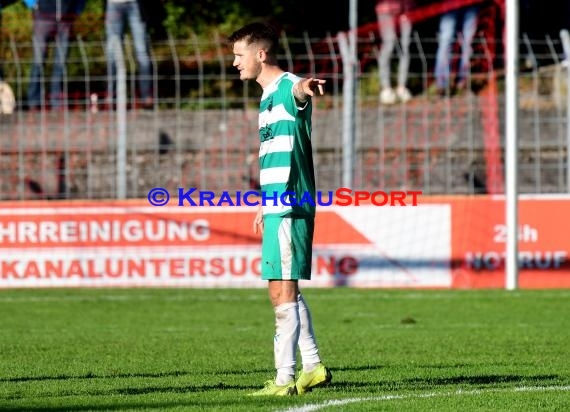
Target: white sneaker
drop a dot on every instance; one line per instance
(387, 96)
(403, 94)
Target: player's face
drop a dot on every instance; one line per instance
(247, 60)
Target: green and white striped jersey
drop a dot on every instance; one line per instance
(287, 175)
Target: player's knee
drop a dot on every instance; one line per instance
(282, 291)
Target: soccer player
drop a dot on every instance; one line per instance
(286, 165)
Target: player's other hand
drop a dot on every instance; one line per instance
(258, 222)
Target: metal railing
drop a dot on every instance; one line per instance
(201, 131)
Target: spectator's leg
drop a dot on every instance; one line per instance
(59, 68)
(41, 32)
(388, 34)
(138, 30)
(468, 33)
(114, 30)
(404, 65)
(445, 39)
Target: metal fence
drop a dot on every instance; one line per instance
(201, 131)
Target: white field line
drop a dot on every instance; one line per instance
(346, 401)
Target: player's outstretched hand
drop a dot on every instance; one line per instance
(309, 87)
(313, 87)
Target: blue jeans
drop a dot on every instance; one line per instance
(387, 24)
(447, 28)
(117, 15)
(45, 29)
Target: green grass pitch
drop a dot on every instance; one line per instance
(188, 349)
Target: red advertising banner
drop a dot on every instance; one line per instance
(443, 242)
(479, 236)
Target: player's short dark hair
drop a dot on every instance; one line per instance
(261, 33)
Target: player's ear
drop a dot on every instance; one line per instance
(261, 55)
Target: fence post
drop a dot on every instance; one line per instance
(348, 117)
(121, 90)
(511, 146)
